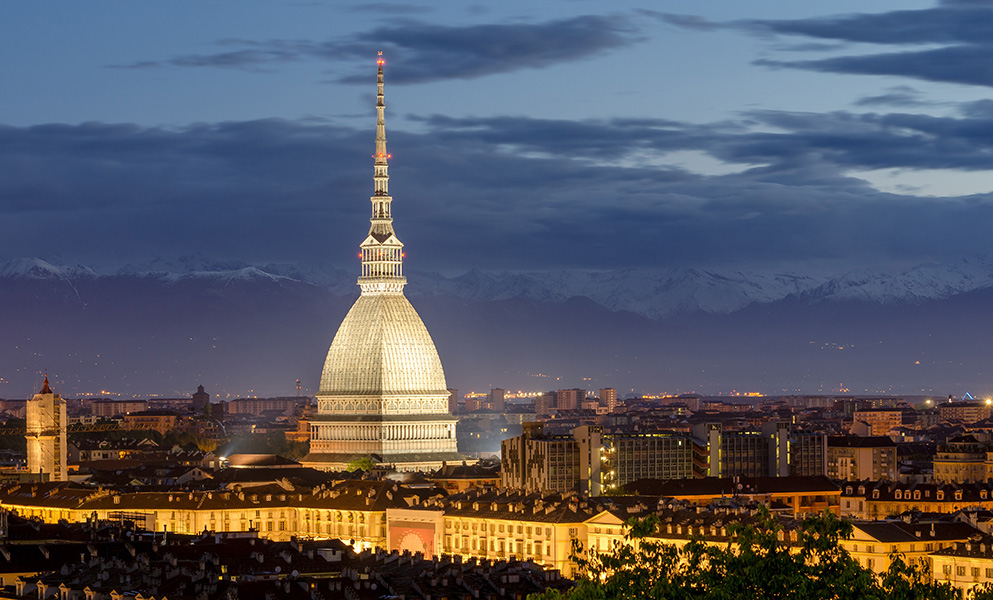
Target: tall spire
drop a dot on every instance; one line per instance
(382, 179)
(382, 252)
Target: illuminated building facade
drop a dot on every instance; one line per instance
(879, 421)
(46, 435)
(608, 396)
(590, 460)
(855, 458)
(382, 394)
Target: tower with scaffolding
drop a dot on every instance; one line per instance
(46, 435)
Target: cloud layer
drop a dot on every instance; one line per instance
(430, 52)
(499, 192)
(951, 42)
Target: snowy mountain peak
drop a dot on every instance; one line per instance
(35, 268)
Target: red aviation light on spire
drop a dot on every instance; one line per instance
(380, 62)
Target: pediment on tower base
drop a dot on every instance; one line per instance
(382, 239)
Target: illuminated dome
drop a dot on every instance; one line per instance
(382, 348)
(382, 395)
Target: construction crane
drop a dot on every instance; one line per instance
(78, 428)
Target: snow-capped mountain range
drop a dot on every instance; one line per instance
(166, 326)
(652, 293)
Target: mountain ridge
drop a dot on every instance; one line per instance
(657, 294)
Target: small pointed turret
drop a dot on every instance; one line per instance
(382, 252)
(45, 388)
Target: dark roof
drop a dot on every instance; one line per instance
(901, 531)
(463, 471)
(712, 486)
(854, 441)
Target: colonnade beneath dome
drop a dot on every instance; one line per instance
(382, 431)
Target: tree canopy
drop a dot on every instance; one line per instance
(755, 565)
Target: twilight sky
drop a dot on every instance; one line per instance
(525, 135)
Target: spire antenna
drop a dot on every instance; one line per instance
(382, 252)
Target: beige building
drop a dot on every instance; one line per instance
(498, 525)
(46, 423)
(608, 397)
(491, 524)
(966, 412)
(106, 409)
(962, 459)
(382, 394)
(880, 499)
(880, 421)
(966, 563)
(855, 458)
(492, 401)
(680, 523)
(352, 511)
(571, 399)
(873, 543)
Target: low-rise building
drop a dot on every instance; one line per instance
(874, 543)
(966, 412)
(962, 459)
(879, 499)
(879, 420)
(679, 522)
(459, 478)
(797, 495)
(162, 421)
(966, 563)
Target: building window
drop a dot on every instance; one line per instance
(960, 571)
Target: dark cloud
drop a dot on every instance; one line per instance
(963, 29)
(433, 52)
(957, 64)
(501, 192)
(967, 2)
(901, 96)
(940, 25)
